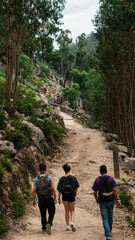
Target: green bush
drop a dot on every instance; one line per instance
(26, 102)
(24, 128)
(2, 121)
(7, 164)
(44, 70)
(51, 130)
(19, 205)
(2, 171)
(18, 138)
(3, 226)
(131, 221)
(23, 62)
(125, 198)
(49, 108)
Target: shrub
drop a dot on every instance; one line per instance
(125, 198)
(23, 62)
(19, 205)
(26, 102)
(51, 130)
(19, 139)
(2, 171)
(7, 164)
(131, 221)
(22, 127)
(44, 70)
(3, 226)
(49, 108)
(2, 121)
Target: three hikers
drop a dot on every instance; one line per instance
(67, 187)
(43, 186)
(104, 188)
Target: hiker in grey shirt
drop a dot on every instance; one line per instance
(45, 190)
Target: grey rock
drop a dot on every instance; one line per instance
(6, 145)
(38, 112)
(37, 133)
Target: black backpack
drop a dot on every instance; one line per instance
(105, 190)
(67, 188)
(43, 187)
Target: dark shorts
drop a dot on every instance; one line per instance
(68, 198)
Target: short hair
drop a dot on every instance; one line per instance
(66, 168)
(103, 169)
(42, 167)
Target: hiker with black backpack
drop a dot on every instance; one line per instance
(104, 188)
(45, 190)
(67, 187)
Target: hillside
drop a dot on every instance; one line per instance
(81, 152)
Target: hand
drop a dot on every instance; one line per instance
(59, 201)
(55, 201)
(119, 204)
(34, 204)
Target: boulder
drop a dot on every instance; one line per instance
(37, 133)
(44, 101)
(112, 136)
(38, 112)
(6, 145)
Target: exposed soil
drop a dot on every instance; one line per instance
(85, 150)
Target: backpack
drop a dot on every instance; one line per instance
(43, 187)
(105, 190)
(67, 189)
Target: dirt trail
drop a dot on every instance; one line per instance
(85, 150)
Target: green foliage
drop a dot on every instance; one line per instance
(26, 102)
(125, 198)
(19, 205)
(51, 130)
(2, 86)
(2, 121)
(3, 226)
(7, 164)
(18, 138)
(49, 108)
(22, 127)
(131, 221)
(44, 70)
(24, 60)
(2, 171)
(72, 93)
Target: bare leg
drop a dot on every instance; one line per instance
(66, 206)
(72, 211)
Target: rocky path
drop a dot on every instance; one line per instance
(85, 150)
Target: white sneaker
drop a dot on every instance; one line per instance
(68, 228)
(72, 227)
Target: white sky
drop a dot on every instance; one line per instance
(78, 15)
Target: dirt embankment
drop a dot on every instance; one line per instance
(85, 150)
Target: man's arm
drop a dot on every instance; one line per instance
(54, 193)
(117, 196)
(95, 195)
(34, 196)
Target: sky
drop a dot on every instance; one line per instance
(78, 16)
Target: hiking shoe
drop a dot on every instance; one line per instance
(48, 228)
(72, 227)
(68, 228)
(44, 231)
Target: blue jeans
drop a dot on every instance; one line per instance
(106, 210)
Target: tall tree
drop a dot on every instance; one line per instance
(116, 55)
(64, 40)
(22, 21)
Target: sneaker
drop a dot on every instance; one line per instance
(48, 228)
(44, 231)
(72, 227)
(68, 228)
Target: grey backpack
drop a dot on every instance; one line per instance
(43, 187)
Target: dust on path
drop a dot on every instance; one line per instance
(85, 150)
